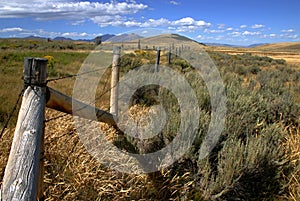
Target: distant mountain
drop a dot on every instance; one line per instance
(283, 47)
(123, 38)
(229, 45)
(35, 38)
(62, 38)
(258, 44)
(106, 37)
(222, 44)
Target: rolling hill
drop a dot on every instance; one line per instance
(281, 47)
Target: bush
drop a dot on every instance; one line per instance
(250, 170)
(254, 69)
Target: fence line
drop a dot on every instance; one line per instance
(23, 177)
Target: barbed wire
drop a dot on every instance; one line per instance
(97, 98)
(73, 75)
(11, 113)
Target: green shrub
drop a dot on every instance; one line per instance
(250, 170)
(254, 69)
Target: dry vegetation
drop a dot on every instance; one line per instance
(257, 157)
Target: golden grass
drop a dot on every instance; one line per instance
(293, 153)
(71, 173)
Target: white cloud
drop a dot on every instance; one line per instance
(235, 34)
(257, 26)
(289, 36)
(248, 33)
(243, 26)
(20, 32)
(188, 21)
(78, 35)
(186, 24)
(108, 20)
(288, 31)
(213, 31)
(229, 29)
(12, 29)
(162, 22)
(176, 3)
(221, 26)
(183, 21)
(66, 9)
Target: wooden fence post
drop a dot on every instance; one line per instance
(157, 60)
(21, 178)
(169, 56)
(115, 80)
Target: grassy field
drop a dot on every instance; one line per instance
(290, 52)
(256, 158)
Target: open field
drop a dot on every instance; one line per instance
(256, 158)
(290, 52)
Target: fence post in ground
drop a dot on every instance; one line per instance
(169, 56)
(139, 44)
(22, 179)
(115, 80)
(157, 60)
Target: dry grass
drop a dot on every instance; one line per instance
(293, 152)
(290, 52)
(71, 173)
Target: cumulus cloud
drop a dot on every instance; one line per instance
(257, 26)
(243, 26)
(20, 32)
(63, 9)
(13, 29)
(289, 36)
(78, 35)
(176, 3)
(235, 34)
(113, 13)
(213, 31)
(221, 26)
(108, 20)
(186, 24)
(288, 30)
(249, 33)
(189, 24)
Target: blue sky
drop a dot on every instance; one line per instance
(218, 21)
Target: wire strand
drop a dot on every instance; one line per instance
(11, 113)
(73, 75)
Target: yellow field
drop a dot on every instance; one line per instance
(290, 52)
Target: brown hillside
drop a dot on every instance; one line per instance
(284, 47)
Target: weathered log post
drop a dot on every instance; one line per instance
(169, 56)
(23, 173)
(139, 44)
(157, 60)
(114, 81)
(63, 103)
